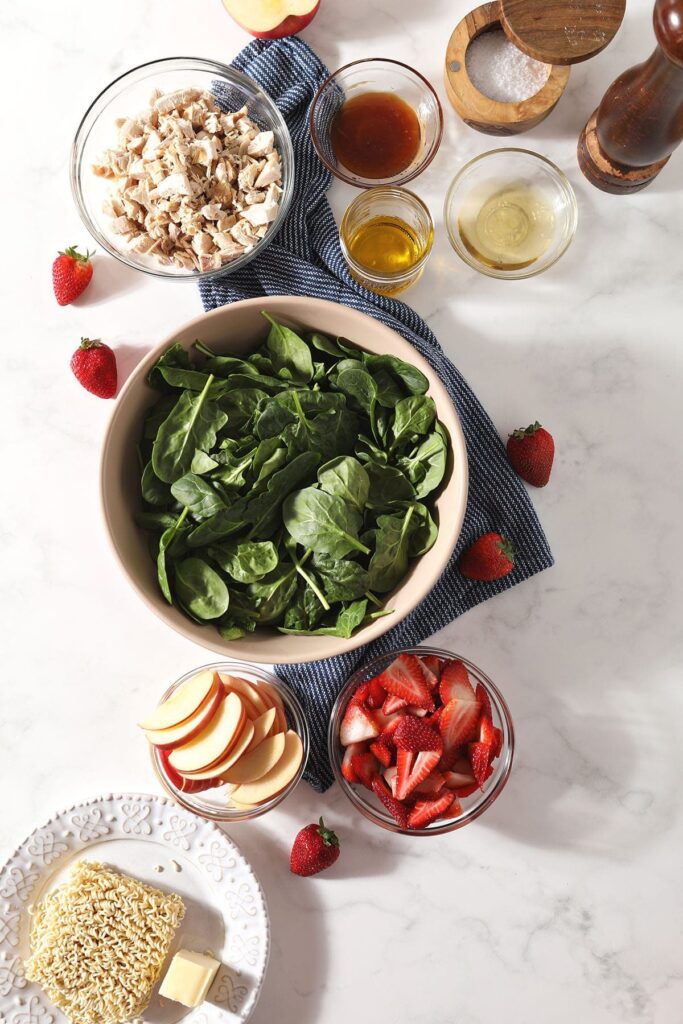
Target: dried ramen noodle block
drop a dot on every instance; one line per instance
(98, 944)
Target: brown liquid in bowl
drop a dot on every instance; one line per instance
(376, 135)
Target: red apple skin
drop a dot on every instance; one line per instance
(292, 24)
(204, 716)
(180, 782)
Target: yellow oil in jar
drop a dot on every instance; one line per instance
(508, 230)
(386, 246)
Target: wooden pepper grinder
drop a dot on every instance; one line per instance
(639, 123)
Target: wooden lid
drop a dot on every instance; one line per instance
(562, 31)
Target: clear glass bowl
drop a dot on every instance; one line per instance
(376, 75)
(510, 168)
(213, 803)
(126, 96)
(473, 806)
(375, 204)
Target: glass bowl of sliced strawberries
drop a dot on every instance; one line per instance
(421, 741)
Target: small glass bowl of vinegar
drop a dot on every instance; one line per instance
(510, 213)
(376, 122)
(386, 236)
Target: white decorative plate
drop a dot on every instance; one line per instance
(154, 840)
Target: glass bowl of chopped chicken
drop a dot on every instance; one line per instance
(183, 168)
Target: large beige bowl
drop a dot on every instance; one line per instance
(237, 329)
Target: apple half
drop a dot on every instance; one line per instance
(272, 19)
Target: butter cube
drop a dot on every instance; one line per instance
(189, 977)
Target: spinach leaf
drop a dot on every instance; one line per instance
(165, 542)
(425, 467)
(348, 620)
(324, 344)
(323, 522)
(175, 356)
(157, 414)
(247, 561)
(389, 562)
(387, 483)
(305, 611)
(356, 383)
(155, 520)
(264, 512)
(154, 491)
(200, 589)
(345, 477)
(288, 351)
(202, 463)
(341, 579)
(413, 416)
(193, 423)
(412, 379)
(197, 496)
(273, 593)
(241, 406)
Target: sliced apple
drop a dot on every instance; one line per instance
(184, 703)
(277, 778)
(262, 727)
(214, 742)
(181, 783)
(178, 735)
(272, 19)
(245, 690)
(258, 763)
(239, 747)
(270, 694)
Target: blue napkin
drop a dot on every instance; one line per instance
(306, 259)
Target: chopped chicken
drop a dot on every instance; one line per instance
(191, 186)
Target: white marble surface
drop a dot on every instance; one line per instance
(563, 903)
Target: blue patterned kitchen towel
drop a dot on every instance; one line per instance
(305, 259)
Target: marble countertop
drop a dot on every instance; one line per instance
(563, 902)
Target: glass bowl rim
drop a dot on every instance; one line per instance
(486, 798)
(400, 275)
(292, 703)
(221, 70)
(559, 177)
(359, 182)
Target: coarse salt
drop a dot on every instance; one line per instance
(501, 71)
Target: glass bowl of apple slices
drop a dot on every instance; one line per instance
(421, 741)
(228, 741)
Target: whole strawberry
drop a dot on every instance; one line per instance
(315, 848)
(94, 366)
(71, 274)
(531, 452)
(490, 557)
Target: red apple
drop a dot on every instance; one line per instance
(272, 19)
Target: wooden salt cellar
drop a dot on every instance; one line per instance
(639, 123)
(557, 32)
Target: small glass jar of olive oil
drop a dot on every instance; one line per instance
(386, 236)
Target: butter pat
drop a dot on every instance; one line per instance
(189, 977)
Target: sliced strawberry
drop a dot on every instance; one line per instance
(390, 777)
(398, 812)
(486, 733)
(357, 725)
(426, 811)
(497, 743)
(432, 785)
(450, 757)
(453, 811)
(416, 712)
(414, 735)
(346, 767)
(483, 698)
(406, 678)
(459, 721)
(480, 759)
(376, 694)
(387, 734)
(413, 768)
(366, 766)
(455, 682)
(360, 694)
(393, 704)
(461, 775)
(382, 752)
(433, 666)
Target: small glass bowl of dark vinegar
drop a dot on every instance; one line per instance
(376, 122)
